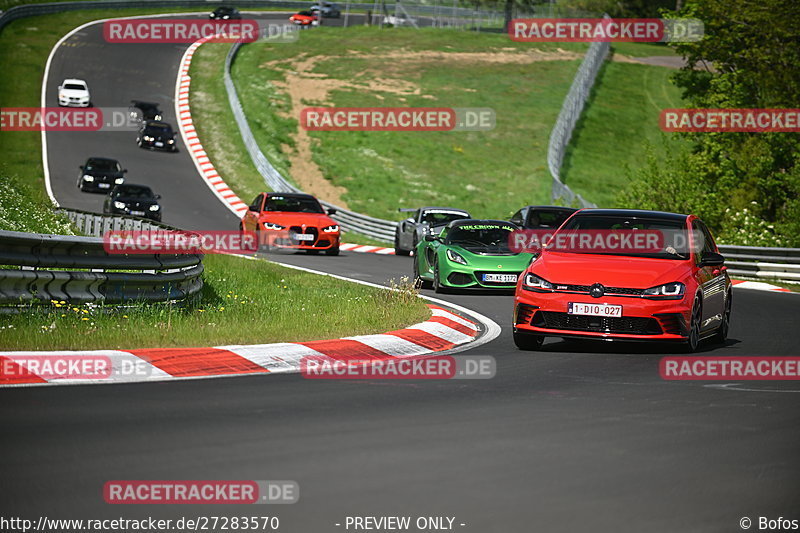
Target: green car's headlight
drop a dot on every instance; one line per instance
(455, 257)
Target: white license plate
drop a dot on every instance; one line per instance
(104, 185)
(594, 309)
(137, 213)
(303, 237)
(159, 144)
(500, 278)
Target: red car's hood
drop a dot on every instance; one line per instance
(297, 219)
(610, 270)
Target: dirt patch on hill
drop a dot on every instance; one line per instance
(306, 87)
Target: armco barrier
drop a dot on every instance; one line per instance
(84, 272)
(780, 264)
(378, 229)
(567, 119)
(95, 225)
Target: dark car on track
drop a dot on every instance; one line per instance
(156, 135)
(225, 13)
(423, 221)
(327, 10)
(100, 174)
(136, 200)
(145, 111)
(542, 216)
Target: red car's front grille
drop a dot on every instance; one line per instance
(608, 290)
(307, 231)
(597, 324)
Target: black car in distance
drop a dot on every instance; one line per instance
(100, 174)
(145, 111)
(225, 13)
(156, 135)
(135, 200)
(544, 217)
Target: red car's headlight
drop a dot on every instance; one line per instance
(532, 282)
(668, 291)
(331, 229)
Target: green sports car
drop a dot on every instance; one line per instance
(469, 254)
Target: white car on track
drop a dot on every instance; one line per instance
(73, 93)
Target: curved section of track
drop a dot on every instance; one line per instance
(578, 437)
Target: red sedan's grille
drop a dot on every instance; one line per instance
(598, 324)
(307, 231)
(608, 290)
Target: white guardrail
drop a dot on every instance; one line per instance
(778, 264)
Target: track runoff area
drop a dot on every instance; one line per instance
(559, 439)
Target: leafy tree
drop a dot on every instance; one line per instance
(749, 58)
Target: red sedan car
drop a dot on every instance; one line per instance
(674, 289)
(306, 18)
(292, 221)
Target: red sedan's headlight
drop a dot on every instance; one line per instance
(668, 291)
(532, 282)
(333, 228)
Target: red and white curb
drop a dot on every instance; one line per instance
(443, 332)
(758, 285)
(366, 249)
(192, 142)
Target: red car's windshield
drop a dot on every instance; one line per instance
(674, 236)
(293, 204)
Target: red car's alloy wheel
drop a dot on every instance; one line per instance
(694, 326)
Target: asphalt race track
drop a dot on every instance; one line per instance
(579, 437)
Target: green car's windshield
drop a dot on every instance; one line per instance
(481, 238)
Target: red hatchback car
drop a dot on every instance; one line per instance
(664, 293)
(292, 221)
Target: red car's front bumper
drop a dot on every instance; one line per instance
(545, 313)
(284, 240)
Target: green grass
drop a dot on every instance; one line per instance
(22, 209)
(244, 302)
(619, 123)
(490, 173)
